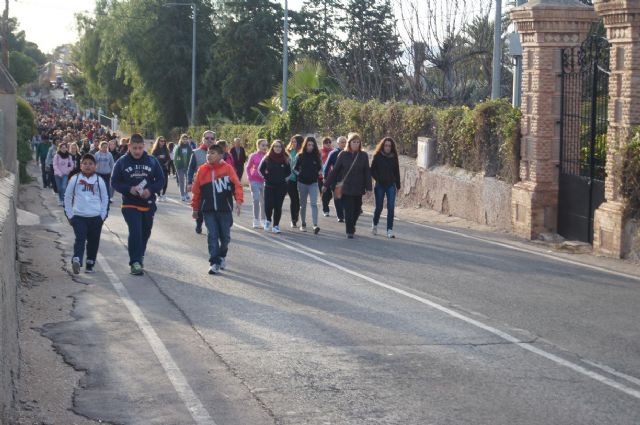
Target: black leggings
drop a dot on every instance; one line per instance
(294, 196)
(273, 200)
(165, 171)
(352, 210)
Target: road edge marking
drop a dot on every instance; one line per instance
(193, 404)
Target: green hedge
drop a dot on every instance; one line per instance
(26, 130)
(483, 139)
(630, 175)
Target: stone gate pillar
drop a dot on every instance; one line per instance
(622, 20)
(546, 26)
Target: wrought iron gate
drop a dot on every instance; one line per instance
(583, 140)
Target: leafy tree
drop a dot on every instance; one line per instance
(23, 69)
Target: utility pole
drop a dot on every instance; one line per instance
(517, 71)
(285, 57)
(193, 58)
(5, 35)
(497, 52)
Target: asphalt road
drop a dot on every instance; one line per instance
(430, 328)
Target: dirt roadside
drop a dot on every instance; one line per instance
(46, 295)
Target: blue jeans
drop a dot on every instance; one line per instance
(61, 184)
(380, 192)
(218, 234)
(140, 225)
(87, 231)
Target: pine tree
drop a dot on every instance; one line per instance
(318, 27)
(372, 50)
(248, 54)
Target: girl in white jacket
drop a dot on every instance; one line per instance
(86, 205)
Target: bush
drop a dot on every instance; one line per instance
(630, 175)
(26, 130)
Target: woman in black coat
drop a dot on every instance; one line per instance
(351, 177)
(385, 170)
(275, 168)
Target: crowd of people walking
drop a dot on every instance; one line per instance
(85, 165)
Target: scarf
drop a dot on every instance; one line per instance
(278, 158)
(64, 155)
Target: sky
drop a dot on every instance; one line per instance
(51, 23)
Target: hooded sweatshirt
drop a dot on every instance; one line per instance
(215, 187)
(253, 167)
(86, 196)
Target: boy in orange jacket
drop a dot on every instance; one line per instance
(214, 189)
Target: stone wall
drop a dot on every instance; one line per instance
(456, 192)
(8, 300)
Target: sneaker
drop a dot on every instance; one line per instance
(159, 198)
(294, 224)
(276, 229)
(390, 234)
(256, 224)
(136, 269)
(89, 267)
(142, 262)
(183, 198)
(75, 265)
(214, 269)
(374, 229)
(316, 230)
(349, 235)
(223, 263)
(326, 214)
(267, 226)
(303, 228)
(199, 230)
(341, 220)
(60, 203)
(187, 198)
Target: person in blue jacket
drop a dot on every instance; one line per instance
(138, 177)
(328, 167)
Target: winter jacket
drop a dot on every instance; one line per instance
(198, 158)
(253, 167)
(181, 156)
(307, 168)
(274, 174)
(129, 172)
(52, 152)
(330, 162)
(215, 187)
(228, 158)
(42, 151)
(239, 156)
(86, 197)
(104, 162)
(385, 170)
(293, 155)
(358, 179)
(163, 156)
(63, 166)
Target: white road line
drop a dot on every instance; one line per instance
(528, 251)
(504, 335)
(614, 372)
(171, 369)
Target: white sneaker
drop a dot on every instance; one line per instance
(256, 224)
(276, 229)
(183, 198)
(60, 203)
(75, 265)
(214, 269)
(223, 263)
(374, 229)
(267, 225)
(303, 228)
(390, 234)
(326, 214)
